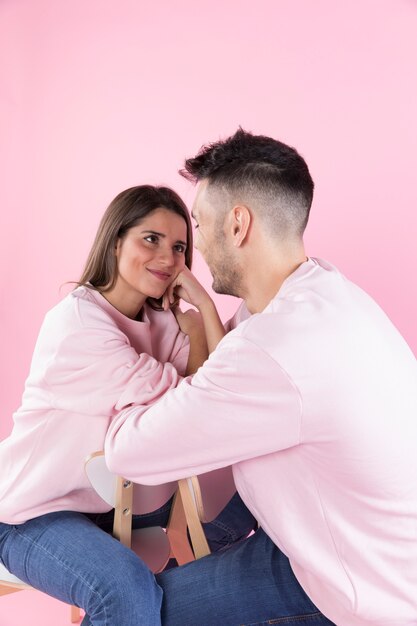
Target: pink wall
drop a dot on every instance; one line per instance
(97, 96)
(100, 95)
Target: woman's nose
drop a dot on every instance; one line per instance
(166, 256)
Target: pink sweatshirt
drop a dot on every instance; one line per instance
(89, 361)
(314, 403)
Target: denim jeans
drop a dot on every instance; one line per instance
(248, 584)
(68, 556)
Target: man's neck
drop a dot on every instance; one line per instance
(265, 279)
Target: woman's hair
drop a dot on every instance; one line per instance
(125, 211)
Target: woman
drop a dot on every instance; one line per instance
(107, 344)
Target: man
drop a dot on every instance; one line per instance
(312, 400)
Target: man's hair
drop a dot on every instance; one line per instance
(261, 172)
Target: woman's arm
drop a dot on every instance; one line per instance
(88, 365)
(191, 323)
(187, 287)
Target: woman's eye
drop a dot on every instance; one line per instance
(151, 238)
(180, 248)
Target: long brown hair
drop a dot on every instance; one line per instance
(127, 210)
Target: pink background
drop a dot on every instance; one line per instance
(100, 95)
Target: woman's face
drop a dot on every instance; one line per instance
(149, 258)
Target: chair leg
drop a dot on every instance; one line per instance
(198, 538)
(177, 533)
(5, 590)
(75, 615)
(75, 611)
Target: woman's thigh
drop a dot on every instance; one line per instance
(68, 557)
(251, 583)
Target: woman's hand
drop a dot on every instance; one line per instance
(187, 287)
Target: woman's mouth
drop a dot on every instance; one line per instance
(159, 274)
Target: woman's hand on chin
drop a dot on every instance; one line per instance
(187, 287)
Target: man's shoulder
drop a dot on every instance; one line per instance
(302, 297)
(250, 329)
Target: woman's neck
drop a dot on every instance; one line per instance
(129, 304)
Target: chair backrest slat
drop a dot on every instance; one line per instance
(146, 498)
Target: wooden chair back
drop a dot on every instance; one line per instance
(152, 545)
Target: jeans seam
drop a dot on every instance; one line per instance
(232, 534)
(284, 620)
(67, 567)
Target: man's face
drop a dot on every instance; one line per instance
(211, 240)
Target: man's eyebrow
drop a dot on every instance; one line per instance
(193, 215)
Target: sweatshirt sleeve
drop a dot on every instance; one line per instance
(239, 405)
(94, 369)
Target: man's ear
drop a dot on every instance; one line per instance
(240, 222)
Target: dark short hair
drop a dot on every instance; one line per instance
(262, 168)
(126, 211)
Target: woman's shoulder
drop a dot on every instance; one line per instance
(83, 295)
(80, 308)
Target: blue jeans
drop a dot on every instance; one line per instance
(68, 556)
(249, 584)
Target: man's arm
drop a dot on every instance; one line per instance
(238, 406)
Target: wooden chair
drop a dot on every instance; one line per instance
(203, 498)
(11, 584)
(199, 499)
(153, 545)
